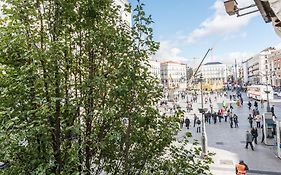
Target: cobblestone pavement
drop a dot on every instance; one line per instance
(229, 143)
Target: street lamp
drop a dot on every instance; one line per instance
(202, 111)
(269, 10)
(267, 90)
(267, 93)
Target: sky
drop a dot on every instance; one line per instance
(186, 29)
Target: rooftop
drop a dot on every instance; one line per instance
(212, 63)
(171, 62)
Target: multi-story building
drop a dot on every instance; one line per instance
(245, 75)
(214, 73)
(154, 68)
(274, 72)
(173, 75)
(256, 67)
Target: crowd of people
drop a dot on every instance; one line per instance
(221, 112)
(213, 116)
(225, 113)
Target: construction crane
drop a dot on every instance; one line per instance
(195, 74)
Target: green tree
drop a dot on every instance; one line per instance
(77, 96)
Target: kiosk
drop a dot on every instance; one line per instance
(268, 128)
(278, 131)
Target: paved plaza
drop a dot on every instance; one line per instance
(229, 143)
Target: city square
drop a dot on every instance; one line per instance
(229, 143)
(140, 87)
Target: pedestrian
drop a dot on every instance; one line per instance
(215, 116)
(211, 107)
(241, 168)
(220, 116)
(249, 105)
(258, 120)
(181, 123)
(272, 110)
(194, 120)
(209, 116)
(238, 103)
(249, 140)
(241, 99)
(254, 133)
(226, 115)
(231, 121)
(198, 122)
(230, 97)
(187, 122)
(224, 104)
(235, 119)
(206, 117)
(254, 112)
(250, 118)
(256, 105)
(231, 108)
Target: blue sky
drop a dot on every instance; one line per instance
(187, 28)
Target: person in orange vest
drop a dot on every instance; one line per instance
(241, 168)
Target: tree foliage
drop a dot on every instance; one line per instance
(76, 93)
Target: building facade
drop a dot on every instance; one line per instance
(173, 75)
(275, 68)
(214, 73)
(257, 67)
(155, 68)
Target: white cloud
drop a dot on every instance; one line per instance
(220, 23)
(168, 51)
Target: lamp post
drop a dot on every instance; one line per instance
(267, 93)
(204, 136)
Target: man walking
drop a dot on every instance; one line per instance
(250, 118)
(187, 122)
(198, 122)
(249, 105)
(256, 105)
(254, 133)
(241, 168)
(194, 120)
(181, 123)
(235, 119)
(231, 121)
(258, 120)
(249, 140)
